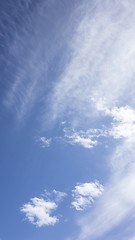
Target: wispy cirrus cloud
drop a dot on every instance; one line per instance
(30, 53)
(101, 62)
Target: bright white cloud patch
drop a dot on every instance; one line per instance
(84, 194)
(124, 123)
(123, 120)
(38, 211)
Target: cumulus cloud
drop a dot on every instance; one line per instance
(85, 193)
(38, 212)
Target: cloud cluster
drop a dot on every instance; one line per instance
(100, 64)
(118, 200)
(38, 211)
(121, 124)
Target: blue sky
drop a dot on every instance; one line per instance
(67, 120)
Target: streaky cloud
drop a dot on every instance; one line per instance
(30, 55)
(101, 62)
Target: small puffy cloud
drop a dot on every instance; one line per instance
(85, 142)
(59, 196)
(38, 212)
(55, 195)
(44, 141)
(85, 193)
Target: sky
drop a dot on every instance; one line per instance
(67, 119)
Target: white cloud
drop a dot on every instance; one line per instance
(83, 141)
(85, 193)
(124, 123)
(38, 211)
(123, 120)
(121, 125)
(101, 64)
(59, 196)
(87, 139)
(44, 141)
